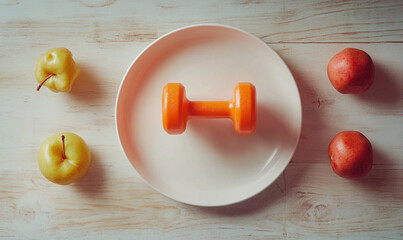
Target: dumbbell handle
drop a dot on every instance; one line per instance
(210, 109)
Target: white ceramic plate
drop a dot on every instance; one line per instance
(209, 164)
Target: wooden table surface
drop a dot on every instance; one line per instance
(308, 201)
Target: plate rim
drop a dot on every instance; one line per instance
(265, 186)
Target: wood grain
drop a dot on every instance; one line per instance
(308, 201)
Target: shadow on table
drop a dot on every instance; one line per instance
(92, 184)
(87, 87)
(384, 177)
(384, 89)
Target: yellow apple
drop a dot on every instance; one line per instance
(64, 158)
(56, 70)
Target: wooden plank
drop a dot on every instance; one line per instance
(108, 22)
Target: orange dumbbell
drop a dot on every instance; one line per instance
(177, 109)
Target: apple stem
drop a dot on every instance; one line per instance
(40, 85)
(64, 149)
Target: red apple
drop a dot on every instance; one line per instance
(350, 154)
(351, 71)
